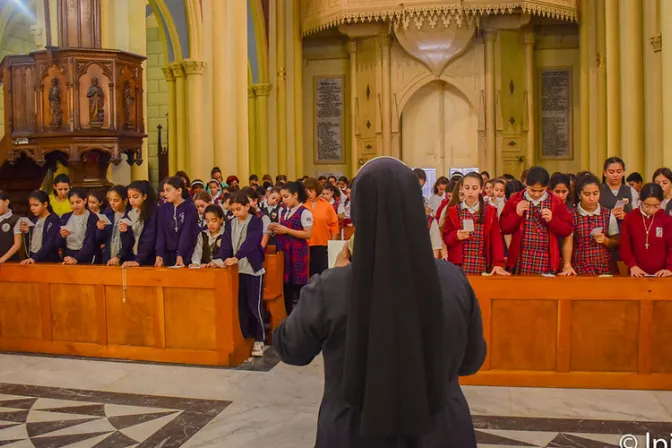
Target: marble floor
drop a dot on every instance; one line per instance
(50, 402)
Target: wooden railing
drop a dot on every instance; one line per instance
(576, 332)
(185, 316)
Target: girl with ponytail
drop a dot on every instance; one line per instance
(138, 239)
(40, 239)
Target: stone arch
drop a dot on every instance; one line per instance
(462, 85)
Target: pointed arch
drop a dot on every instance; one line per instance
(194, 28)
(163, 14)
(259, 22)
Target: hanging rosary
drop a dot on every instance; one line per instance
(647, 230)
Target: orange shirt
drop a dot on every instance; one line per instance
(325, 222)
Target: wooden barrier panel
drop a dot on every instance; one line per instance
(578, 332)
(185, 316)
(274, 294)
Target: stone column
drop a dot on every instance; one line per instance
(238, 11)
(666, 46)
(489, 37)
(262, 91)
(632, 84)
(298, 90)
(198, 162)
(252, 130)
(224, 144)
(172, 120)
(384, 43)
(653, 89)
(529, 40)
(600, 30)
(613, 79)
(180, 116)
(354, 154)
(281, 89)
(584, 80)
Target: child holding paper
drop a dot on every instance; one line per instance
(535, 219)
(10, 234)
(586, 251)
(471, 232)
(108, 234)
(138, 228)
(201, 200)
(177, 227)
(209, 241)
(646, 236)
(41, 231)
(78, 230)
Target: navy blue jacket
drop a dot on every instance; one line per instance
(50, 235)
(146, 246)
(86, 253)
(251, 247)
(178, 237)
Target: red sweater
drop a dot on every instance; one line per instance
(494, 243)
(633, 242)
(561, 225)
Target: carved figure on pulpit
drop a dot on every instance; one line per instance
(128, 105)
(96, 104)
(55, 104)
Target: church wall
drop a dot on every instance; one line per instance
(323, 58)
(157, 98)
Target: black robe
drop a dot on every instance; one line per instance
(318, 324)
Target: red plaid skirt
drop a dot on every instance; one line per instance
(588, 257)
(473, 249)
(535, 246)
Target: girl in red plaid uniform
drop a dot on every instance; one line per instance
(481, 249)
(535, 219)
(293, 232)
(586, 251)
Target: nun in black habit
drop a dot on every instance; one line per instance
(395, 326)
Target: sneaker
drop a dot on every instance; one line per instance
(258, 349)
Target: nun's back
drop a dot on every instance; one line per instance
(319, 324)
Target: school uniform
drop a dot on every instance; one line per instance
(653, 253)
(207, 246)
(435, 200)
(344, 209)
(325, 226)
(138, 243)
(484, 249)
(41, 239)
(202, 224)
(273, 215)
(625, 193)
(177, 232)
(9, 226)
(243, 241)
(59, 207)
(668, 208)
(588, 256)
(81, 243)
(108, 240)
(295, 252)
(534, 243)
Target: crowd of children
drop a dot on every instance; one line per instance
(560, 224)
(195, 224)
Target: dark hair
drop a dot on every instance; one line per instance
(611, 161)
(343, 179)
(523, 176)
(455, 199)
(443, 180)
(150, 204)
(332, 177)
(4, 196)
(183, 175)
(42, 197)
(240, 197)
(121, 190)
(581, 183)
(251, 193)
(420, 174)
(333, 189)
(559, 178)
(296, 188)
(267, 177)
(267, 185)
(313, 184)
(280, 178)
(661, 172)
(635, 177)
(486, 173)
(499, 180)
(101, 196)
(481, 203)
(215, 170)
(254, 177)
(215, 181)
(177, 182)
(512, 187)
(451, 186)
(651, 190)
(322, 178)
(197, 182)
(537, 175)
(582, 173)
(62, 179)
(77, 191)
(203, 196)
(508, 177)
(214, 209)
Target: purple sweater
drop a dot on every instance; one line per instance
(251, 247)
(146, 246)
(177, 231)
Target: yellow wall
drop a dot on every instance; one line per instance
(311, 69)
(565, 56)
(157, 97)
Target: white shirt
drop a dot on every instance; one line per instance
(8, 215)
(435, 235)
(306, 216)
(198, 250)
(613, 223)
(435, 201)
(473, 210)
(538, 201)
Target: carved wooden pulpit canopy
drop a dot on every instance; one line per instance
(79, 100)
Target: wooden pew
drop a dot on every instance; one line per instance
(347, 233)
(187, 316)
(579, 332)
(274, 294)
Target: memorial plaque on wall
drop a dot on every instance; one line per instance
(555, 104)
(329, 113)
